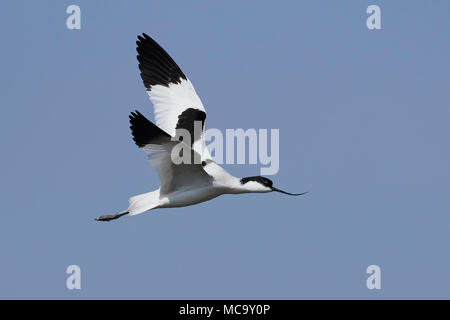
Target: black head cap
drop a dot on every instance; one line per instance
(264, 181)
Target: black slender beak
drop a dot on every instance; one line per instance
(288, 193)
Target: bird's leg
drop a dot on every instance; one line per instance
(109, 217)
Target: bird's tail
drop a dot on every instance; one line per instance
(143, 202)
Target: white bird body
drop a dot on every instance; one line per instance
(179, 113)
(223, 183)
(188, 197)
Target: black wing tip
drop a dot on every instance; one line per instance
(145, 132)
(155, 64)
(145, 40)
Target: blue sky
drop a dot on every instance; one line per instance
(363, 118)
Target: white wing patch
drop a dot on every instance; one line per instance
(169, 102)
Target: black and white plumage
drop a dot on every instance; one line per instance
(176, 104)
(178, 109)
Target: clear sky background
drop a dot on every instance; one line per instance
(364, 126)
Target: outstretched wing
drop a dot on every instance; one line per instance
(158, 145)
(176, 104)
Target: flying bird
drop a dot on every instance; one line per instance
(178, 109)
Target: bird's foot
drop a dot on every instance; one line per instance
(109, 217)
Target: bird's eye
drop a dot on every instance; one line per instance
(180, 138)
(203, 163)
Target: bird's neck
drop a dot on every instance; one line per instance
(225, 181)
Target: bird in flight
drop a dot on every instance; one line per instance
(179, 113)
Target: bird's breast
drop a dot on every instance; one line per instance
(187, 197)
